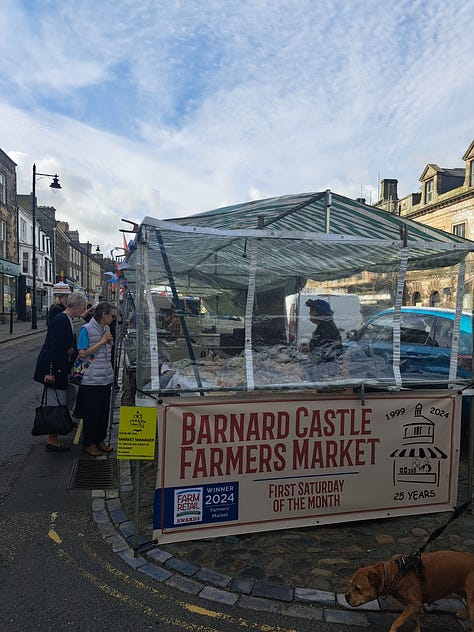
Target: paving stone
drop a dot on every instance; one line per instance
(221, 596)
(448, 604)
(311, 595)
(255, 603)
(100, 516)
(185, 584)
(113, 503)
(127, 528)
(98, 504)
(302, 612)
(157, 572)
(97, 493)
(118, 516)
(106, 529)
(141, 540)
(158, 555)
(242, 585)
(212, 577)
(128, 557)
(181, 566)
(117, 543)
(370, 605)
(273, 591)
(346, 617)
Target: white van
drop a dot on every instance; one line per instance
(299, 328)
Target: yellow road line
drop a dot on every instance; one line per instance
(113, 592)
(133, 603)
(236, 621)
(77, 436)
(52, 531)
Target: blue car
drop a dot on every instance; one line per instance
(425, 345)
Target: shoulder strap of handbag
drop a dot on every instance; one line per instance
(44, 396)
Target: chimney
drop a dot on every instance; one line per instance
(389, 190)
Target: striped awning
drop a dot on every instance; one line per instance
(321, 236)
(419, 452)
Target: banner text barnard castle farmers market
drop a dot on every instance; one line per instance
(223, 444)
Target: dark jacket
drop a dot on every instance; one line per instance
(326, 342)
(53, 357)
(53, 311)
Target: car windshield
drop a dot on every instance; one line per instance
(417, 329)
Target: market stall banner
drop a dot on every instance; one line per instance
(229, 466)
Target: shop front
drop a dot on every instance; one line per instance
(9, 273)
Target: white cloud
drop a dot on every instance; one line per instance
(170, 108)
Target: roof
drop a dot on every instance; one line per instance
(320, 235)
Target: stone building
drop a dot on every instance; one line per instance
(9, 266)
(445, 201)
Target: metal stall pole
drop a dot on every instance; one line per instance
(470, 452)
(179, 311)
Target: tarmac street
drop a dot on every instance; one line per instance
(66, 561)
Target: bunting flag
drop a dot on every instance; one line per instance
(125, 245)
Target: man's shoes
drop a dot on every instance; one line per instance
(91, 450)
(103, 447)
(50, 447)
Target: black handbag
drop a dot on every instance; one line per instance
(51, 419)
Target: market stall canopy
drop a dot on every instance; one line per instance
(322, 236)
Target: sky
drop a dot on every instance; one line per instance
(167, 108)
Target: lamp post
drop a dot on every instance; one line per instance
(97, 250)
(54, 185)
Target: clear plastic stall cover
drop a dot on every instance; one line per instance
(222, 299)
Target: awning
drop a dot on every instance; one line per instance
(420, 452)
(321, 236)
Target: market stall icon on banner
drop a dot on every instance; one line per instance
(418, 460)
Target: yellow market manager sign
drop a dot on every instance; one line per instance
(137, 433)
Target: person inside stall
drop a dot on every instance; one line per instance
(325, 344)
(170, 323)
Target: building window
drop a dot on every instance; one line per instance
(471, 174)
(429, 189)
(3, 240)
(459, 229)
(23, 236)
(25, 263)
(435, 299)
(3, 189)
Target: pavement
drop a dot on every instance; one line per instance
(20, 329)
(297, 572)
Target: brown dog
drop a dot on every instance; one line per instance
(441, 574)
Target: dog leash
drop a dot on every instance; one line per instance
(415, 563)
(456, 513)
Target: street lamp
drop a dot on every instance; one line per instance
(97, 250)
(54, 185)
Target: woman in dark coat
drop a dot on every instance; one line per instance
(56, 357)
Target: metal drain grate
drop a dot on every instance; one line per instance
(89, 474)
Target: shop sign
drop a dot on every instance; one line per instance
(246, 465)
(9, 268)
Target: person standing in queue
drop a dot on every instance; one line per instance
(56, 358)
(95, 344)
(61, 291)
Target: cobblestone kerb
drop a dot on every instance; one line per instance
(118, 531)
